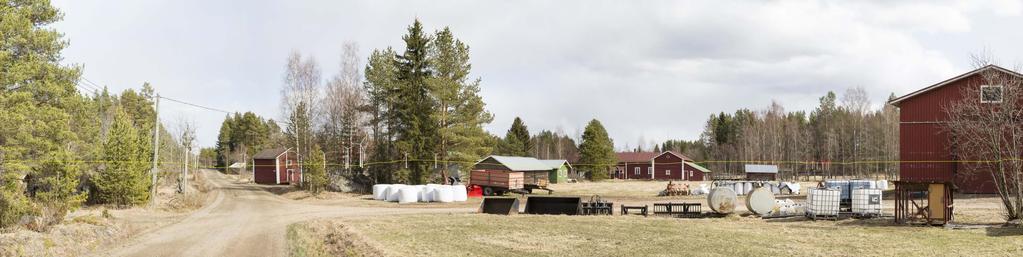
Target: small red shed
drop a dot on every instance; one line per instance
(924, 148)
(667, 165)
(276, 166)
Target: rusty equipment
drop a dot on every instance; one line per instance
(597, 206)
(642, 209)
(499, 205)
(553, 205)
(675, 189)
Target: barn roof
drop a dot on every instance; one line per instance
(515, 163)
(698, 167)
(270, 153)
(896, 101)
(645, 156)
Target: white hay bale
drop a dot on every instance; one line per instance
(408, 194)
(379, 190)
(460, 194)
(444, 195)
(392, 192)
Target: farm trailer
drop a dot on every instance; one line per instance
(499, 182)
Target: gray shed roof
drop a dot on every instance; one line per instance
(515, 163)
(269, 153)
(756, 168)
(555, 164)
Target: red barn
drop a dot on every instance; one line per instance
(276, 166)
(658, 166)
(924, 149)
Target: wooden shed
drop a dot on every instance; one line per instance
(558, 170)
(276, 166)
(925, 150)
(761, 172)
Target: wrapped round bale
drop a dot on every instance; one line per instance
(408, 194)
(426, 194)
(392, 192)
(461, 195)
(443, 194)
(378, 191)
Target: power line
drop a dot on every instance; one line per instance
(194, 105)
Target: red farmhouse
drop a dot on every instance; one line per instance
(657, 166)
(924, 149)
(276, 166)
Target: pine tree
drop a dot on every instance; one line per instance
(596, 152)
(124, 179)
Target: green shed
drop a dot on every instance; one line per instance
(559, 170)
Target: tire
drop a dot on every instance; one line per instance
(487, 191)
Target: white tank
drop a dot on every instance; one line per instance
(866, 201)
(378, 191)
(721, 200)
(737, 188)
(408, 194)
(760, 201)
(823, 201)
(747, 187)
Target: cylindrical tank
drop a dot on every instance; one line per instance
(760, 201)
(737, 188)
(747, 187)
(722, 200)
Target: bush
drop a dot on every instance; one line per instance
(315, 175)
(13, 206)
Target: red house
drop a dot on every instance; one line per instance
(924, 149)
(667, 165)
(276, 166)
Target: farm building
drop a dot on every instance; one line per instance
(666, 165)
(559, 170)
(276, 166)
(925, 149)
(761, 172)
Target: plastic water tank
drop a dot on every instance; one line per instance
(866, 201)
(378, 191)
(737, 188)
(823, 201)
(747, 188)
(722, 200)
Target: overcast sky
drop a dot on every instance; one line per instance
(649, 70)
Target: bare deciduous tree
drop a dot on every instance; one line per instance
(343, 129)
(986, 129)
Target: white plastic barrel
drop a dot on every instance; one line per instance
(378, 191)
(747, 188)
(408, 194)
(737, 188)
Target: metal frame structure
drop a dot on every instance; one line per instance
(913, 204)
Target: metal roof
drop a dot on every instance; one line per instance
(698, 167)
(646, 156)
(515, 163)
(896, 101)
(270, 153)
(237, 165)
(756, 168)
(555, 164)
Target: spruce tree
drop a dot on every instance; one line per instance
(124, 180)
(416, 130)
(517, 141)
(596, 152)
(314, 171)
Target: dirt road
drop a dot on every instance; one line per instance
(242, 220)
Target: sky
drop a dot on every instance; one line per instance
(648, 70)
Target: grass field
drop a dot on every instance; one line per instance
(532, 235)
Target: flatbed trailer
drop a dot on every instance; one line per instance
(499, 182)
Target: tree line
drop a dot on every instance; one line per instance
(62, 147)
(844, 137)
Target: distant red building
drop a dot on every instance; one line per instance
(658, 166)
(276, 166)
(925, 150)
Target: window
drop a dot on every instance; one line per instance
(289, 162)
(649, 170)
(636, 170)
(667, 172)
(690, 173)
(990, 94)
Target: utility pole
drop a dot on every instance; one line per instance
(156, 152)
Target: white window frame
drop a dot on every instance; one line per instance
(1001, 96)
(649, 170)
(635, 170)
(667, 172)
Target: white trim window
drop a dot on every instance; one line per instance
(649, 170)
(667, 172)
(635, 170)
(991, 93)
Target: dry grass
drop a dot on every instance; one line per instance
(530, 235)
